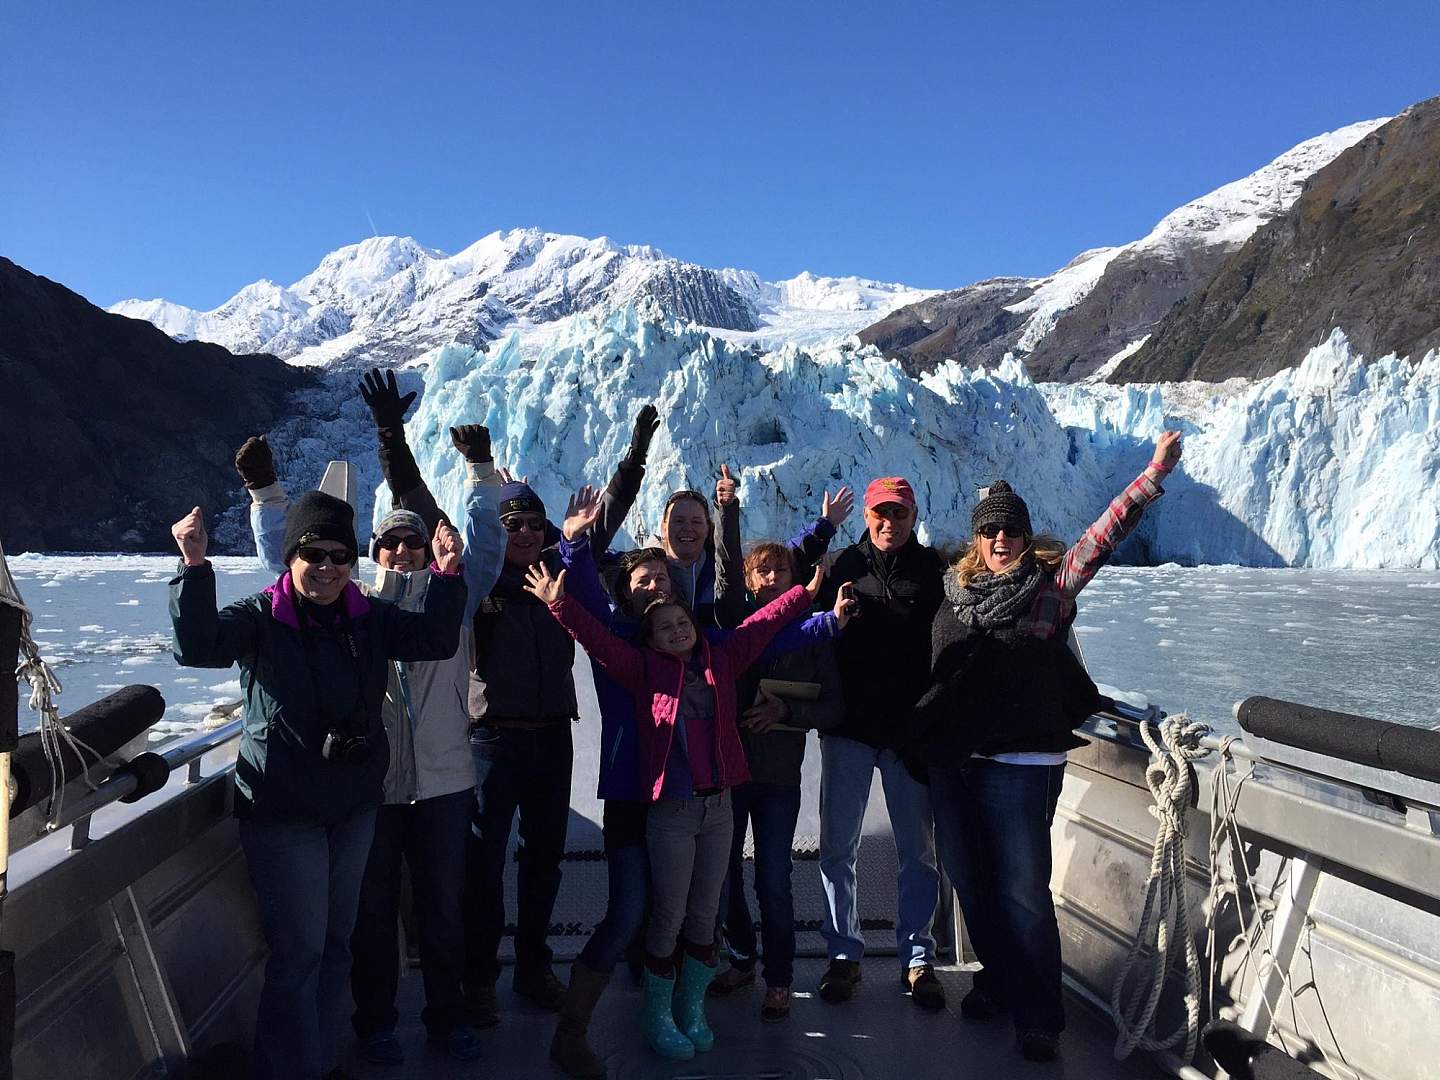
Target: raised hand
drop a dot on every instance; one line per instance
(765, 713)
(383, 396)
(191, 537)
(835, 510)
(815, 582)
(448, 548)
(539, 583)
(646, 424)
(580, 512)
(847, 605)
(1167, 450)
(726, 488)
(255, 463)
(473, 442)
(507, 477)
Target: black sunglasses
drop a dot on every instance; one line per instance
(317, 555)
(514, 523)
(992, 530)
(391, 541)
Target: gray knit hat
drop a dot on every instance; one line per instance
(1000, 505)
(398, 519)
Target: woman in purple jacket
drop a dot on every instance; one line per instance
(690, 757)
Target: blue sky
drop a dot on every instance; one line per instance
(185, 149)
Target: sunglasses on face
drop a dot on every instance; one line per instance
(317, 555)
(533, 522)
(989, 532)
(392, 542)
(891, 513)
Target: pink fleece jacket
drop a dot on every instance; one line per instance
(657, 680)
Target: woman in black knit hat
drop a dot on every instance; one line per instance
(1006, 695)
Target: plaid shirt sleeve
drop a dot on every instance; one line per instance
(1093, 550)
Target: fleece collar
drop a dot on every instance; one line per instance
(285, 609)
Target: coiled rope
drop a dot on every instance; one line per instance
(1163, 936)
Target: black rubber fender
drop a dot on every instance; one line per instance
(150, 770)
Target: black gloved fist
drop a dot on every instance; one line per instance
(473, 441)
(255, 463)
(383, 396)
(646, 424)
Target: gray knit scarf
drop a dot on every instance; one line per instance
(992, 601)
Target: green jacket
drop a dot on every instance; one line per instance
(301, 684)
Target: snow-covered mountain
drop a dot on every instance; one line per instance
(1068, 324)
(1328, 464)
(389, 299)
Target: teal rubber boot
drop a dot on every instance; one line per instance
(657, 1022)
(695, 976)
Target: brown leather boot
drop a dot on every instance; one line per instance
(569, 1049)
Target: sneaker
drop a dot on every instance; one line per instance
(730, 980)
(925, 988)
(979, 1004)
(382, 1048)
(777, 1004)
(840, 981)
(1035, 1045)
(481, 1009)
(463, 1044)
(540, 985)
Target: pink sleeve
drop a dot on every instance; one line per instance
(624, 662)
(750, 638)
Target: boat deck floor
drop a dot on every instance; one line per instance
(879, 1035)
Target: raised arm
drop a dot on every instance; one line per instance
(402, 475)
(582, 579)
(751, 637)
(434, 633)
(1093, 550)
(269, 502)
(729, 559)
(624, 662)
(624, 486)
(484, 535)
(202, 635)
(813, 541)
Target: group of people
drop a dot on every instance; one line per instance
(416, 717)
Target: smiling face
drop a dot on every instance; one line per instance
(323, 582)
(684, 530)
(393, 553)
(770, 577)
(669, 629)
(1002, 551)
(890, 525)
(649, 581)
(525, 537)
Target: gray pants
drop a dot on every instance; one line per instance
(689, 846)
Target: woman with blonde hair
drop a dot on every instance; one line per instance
(1005, 697)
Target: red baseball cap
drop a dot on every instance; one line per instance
(889, 489)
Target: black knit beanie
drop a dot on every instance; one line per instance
(1001, 506)
(318, 516)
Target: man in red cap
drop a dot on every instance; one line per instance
(884, 660)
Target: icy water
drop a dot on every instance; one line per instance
(1189, 639)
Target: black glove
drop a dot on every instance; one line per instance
(473, 441)
(646, 424)
(255, 463)
(383, 397)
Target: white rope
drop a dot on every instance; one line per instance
(55, 737)
(1163, 935)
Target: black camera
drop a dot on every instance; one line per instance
(343, 748)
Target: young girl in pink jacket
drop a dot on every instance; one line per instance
(691, 756)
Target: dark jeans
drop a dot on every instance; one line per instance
(525, 770)
(307, 886)
(430, 835)
(771, 810)
(627, 871)
(992, 827)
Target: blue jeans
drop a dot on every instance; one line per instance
(627, 870)
(525, 770)
(772, 811)
(307, 886)
(430, 836)
(992, 823)
(847, 768)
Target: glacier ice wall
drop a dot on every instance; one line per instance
(1333, 463)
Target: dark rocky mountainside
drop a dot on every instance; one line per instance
(109, 429)
(970, 324)
(1359, 250)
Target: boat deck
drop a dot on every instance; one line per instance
(879, 1034)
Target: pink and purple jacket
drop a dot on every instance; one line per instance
(657, 681)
